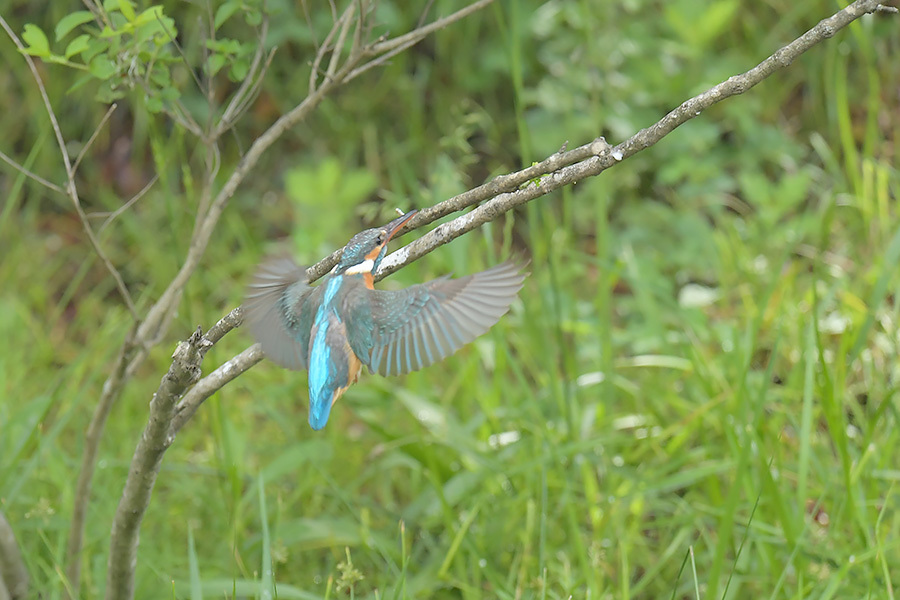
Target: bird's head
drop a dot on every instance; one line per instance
(363, 253)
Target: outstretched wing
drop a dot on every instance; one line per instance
(279, 311)
(425, 323)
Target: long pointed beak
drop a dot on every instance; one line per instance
(394, 226)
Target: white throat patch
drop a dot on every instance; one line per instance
(363, 267)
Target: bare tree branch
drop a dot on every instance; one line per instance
(212, 383)
(13, 574)
(185, 370)
(508, 191)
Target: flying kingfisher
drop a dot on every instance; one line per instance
(344, 322)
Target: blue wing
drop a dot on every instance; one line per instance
(425, 323)
(278, 309)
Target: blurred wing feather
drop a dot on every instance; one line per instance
(279, 312)
(425, 323)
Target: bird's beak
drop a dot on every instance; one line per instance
(394, 226)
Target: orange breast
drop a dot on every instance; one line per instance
(353, 370)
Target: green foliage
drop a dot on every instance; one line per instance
(120, 48)
(696, 391)
(326, 194)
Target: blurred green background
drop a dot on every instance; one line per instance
(696, 389)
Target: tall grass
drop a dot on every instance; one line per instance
(694, 396)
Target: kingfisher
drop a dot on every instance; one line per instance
(334, 328)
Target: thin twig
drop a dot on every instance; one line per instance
(112, 217)
(375, 62)
(254, 74)
(173, 39)
(423, 32)
(342, 37)
(30, 175)
(70, 175)
(309, 24)
(91, 139)
(98, 12)
(498, 185)
(358, 29)
(323, 50)
(424, 14)
(253, 93)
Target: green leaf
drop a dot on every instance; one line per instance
(107, 92)
(71, 21)
(102, 67)
(160, 76)
(239, 70)
(224, 46)
(153, 13)
(78, 45)
(253, 18)
(95, 47)
(123, 6)
(127, 9)
(36, 40)
(56, 58)
(148, 31)
(216, 62)
(108, 32)
(154, 104)
(154, 21)
(226, 11)
(169, 94)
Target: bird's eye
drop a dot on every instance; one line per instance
(382, 235)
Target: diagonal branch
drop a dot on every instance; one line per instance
(505, 192)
